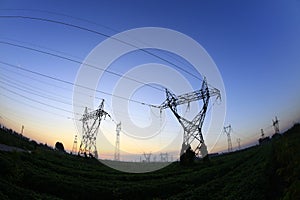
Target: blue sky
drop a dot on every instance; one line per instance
(255, 45)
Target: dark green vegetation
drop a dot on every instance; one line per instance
(269, 171)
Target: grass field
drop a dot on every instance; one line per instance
(269, 171)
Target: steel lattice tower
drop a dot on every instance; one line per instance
(90, 125)
(74, 149)
(276, 125)
(192, 129)
(227, 130)
(117, 147)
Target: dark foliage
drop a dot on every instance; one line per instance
(269, 171)
(59, 146)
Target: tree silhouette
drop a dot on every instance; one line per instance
(59, 146)
(188, 157)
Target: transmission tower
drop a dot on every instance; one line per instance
(74, 149)
(22, 130)
(192, 129)
(227, 131)
(90, 125)
(164, 157)
(117, 147)
(239, 143)
(147, 157)
(262, 133)
(276, 125)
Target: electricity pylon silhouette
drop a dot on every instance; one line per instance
(262, 133)
(117, 147)
(164, 157)
(192, 128)
(147, 157)
(90, 125)
(239, 143)
(22, 130)
(276, 125)
(227, 131)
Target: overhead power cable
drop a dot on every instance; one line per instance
(34, 100)
(102, 34)
(73, 84)
(39, 95)
(79, 62)
(34, 107)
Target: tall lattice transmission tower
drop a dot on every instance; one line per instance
(117, 147)
(74, 148)
(90, 125)
(227, 131)
(276, 125)
(192, 128)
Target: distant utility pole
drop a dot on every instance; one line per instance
(276, 125)
(117, 147)
(90, 125)
(239, 143)
(228, 130)
(74, 149)
(22, 130)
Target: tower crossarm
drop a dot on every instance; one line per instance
(189, 97)
(99, 113)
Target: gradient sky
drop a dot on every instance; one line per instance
(255, 45)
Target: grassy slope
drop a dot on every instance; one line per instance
(270, 171)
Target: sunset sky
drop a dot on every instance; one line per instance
(254, 44)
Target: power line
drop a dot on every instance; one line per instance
(102, 34)
(31, 91)
(40, 81)
(34, 107)
(73, 84)
(83, 20)
(79, 62)
(45, 104)
(36, 94)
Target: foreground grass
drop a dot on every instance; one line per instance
(270, 171)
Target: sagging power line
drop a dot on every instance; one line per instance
(101, 34)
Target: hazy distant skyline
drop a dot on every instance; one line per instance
(255, 45)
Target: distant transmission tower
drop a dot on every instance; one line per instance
(262, 133)
(276, 125)
(117, 147)
(228, 130)
(74, 149)
(192, 129)
(90, 125)
(147, 156)
(164, 157)
(22, 130)
(239, 143)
